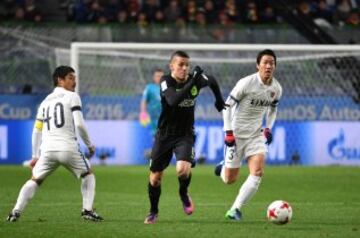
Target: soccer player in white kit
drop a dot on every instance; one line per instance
(54, 143)
(252, 98)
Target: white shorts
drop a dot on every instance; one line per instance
(48, 162)
(243, 149)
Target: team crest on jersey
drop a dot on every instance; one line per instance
(272, 94)
(194, 91)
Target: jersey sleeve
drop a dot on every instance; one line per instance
(145, 95)
(278, 96)
(203, 81)
(79, 122)
(280, 92)
(272, 110)
(75, 103)
(236, 94)
(81, 128)
(239, 90)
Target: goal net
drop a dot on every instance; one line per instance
(326, 72)
(320, 82)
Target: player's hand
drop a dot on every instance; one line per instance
(229, 138)
(91, 151)
(197, 73)
(268, 136)
(33, 162)
(144, 118)
(220, 104)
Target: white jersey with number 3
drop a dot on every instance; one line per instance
(253, 99)
(56, 113)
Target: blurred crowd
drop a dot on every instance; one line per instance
(181, 12)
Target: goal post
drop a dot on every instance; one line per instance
(321, 90)
(215, 53)
(303, 70)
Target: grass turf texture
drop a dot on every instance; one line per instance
(325, 202)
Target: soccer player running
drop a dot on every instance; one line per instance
(58, 116)
(251, 98)
(175, 133)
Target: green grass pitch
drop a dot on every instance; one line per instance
(325, 201)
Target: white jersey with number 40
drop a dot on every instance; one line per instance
(253, 99)
(56, 113)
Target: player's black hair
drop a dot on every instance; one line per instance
(179, 53)
(61, 72)
(265, 52)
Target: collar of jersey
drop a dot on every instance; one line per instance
(59, 89)
(261, 82)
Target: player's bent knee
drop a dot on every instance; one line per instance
(183, 174)
(183, 169)
(230, 175)
(229, 180)
(37, 181)
(155, 183)
(155, 179)
(258, 173)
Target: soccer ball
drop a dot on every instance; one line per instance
(279, 212)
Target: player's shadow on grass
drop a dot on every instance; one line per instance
(182, 221)
(193, 221)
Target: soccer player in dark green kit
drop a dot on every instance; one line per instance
(175, 131)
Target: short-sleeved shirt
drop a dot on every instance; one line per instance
(55, 111)
(253, 97)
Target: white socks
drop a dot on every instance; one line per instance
(26, 193)
(88, 191)
(29, 188)
(222, 174)
(247, 191)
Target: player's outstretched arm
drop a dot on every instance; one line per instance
(215, 88)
